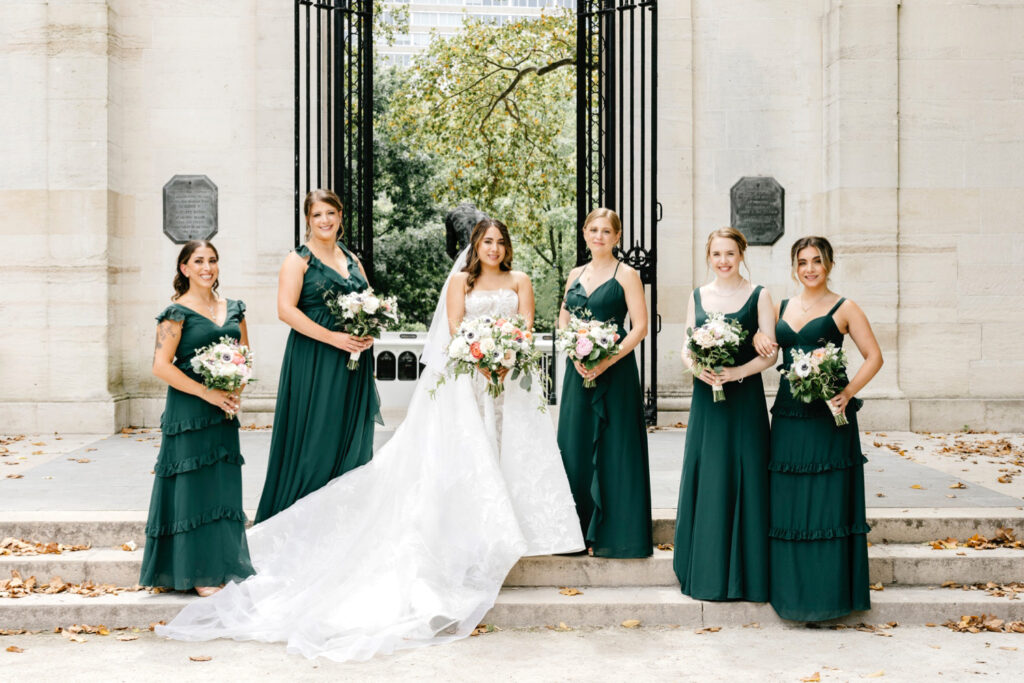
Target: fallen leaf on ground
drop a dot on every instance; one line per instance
(916, 486)
(13, 648)
(877, 586)
(565, 590)
(947, 544)
(127, 636)
(753, 624)
(38, 443)
(20, 547)
(958, 485)
(481, 629)
(1005, 647)
(813, 678)
(154, 624)
(200, 658)
(877, 674)
(129, 546)
(83, 460)
(562, 626)
(708, 629)
(631, 623)
(15, 476)
(665, 546)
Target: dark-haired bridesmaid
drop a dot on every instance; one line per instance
(325, 414)
(818, 547)
(195, 534)
(721, 537)
(601, 431)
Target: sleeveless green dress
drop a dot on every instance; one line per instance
(603, 439)
(325, 414)
(818, 546)
(721, 538)
(195, 534)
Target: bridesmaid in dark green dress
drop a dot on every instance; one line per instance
(819, 555)
(195, 534)
(324, 420)
(721, 538)
(601, 431)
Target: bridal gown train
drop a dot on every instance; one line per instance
(412, 548)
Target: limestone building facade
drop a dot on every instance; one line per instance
(895, 126)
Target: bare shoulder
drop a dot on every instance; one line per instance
(627, 274)
(765, 297)
(460, 279)
(520, 278)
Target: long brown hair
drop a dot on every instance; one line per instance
(473, 265)
(824, 248)
(327, 197)
(181, 282)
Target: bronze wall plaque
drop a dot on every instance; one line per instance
(190, 208)
(758, 209)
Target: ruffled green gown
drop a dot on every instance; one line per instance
(819, 554)
(325, 414)
(721, 537)
(603, 440)
(195, 533)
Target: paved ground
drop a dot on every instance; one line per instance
(609, 654)
(82, 472)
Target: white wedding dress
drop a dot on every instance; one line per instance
(412, 548)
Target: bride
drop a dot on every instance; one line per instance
(412, 548)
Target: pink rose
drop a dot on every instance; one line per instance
(583, 347)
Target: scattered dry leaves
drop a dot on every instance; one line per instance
(999, 590)
(1003, 538)
(985, 622)
(18, 587)
(21, 547)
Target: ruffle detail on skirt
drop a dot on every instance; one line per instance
(795, 408)
(219, 454)
(818, 534)
(598, 403)
(184, 525)
(191, 424)
(814, 467)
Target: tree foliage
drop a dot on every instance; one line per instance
(494, 105)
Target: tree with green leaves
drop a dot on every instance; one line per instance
(494, 105)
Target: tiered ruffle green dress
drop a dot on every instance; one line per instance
(603, 440)
(819, 555)
(195, 534)
(721, 538)
(324, 420)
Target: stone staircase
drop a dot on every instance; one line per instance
(910, 571)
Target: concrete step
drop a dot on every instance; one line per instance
(902, 564)
(541, 606)
(889, 525)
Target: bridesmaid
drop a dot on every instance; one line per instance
(195, 534)
(721, 538)
(601, 431)
(819, 556)
(324, 420)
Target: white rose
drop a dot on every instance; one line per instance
(371, 304)
(508, 328)
(487, 346)
(458, 348)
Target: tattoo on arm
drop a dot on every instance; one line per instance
(165, 331)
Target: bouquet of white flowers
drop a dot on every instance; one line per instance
(714, 345)
(362, 314)
(819, 374)
(589, 342)
(226, 365)
(493, 344)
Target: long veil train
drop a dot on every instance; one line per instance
(412, 548)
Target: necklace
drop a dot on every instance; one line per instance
(731, 291)
(811, 305)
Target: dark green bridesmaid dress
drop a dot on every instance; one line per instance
(195, 534)
(819, 554)
(721, 538)
(325, 414)
(603, 439)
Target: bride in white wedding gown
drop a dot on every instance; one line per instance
(412, 548)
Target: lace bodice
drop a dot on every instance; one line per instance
(491, 302)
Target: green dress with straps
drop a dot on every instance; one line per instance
(603, 439)
(195, 533)
(325, 414)
(721, 537)
(818, 546)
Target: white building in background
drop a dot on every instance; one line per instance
(444, 17)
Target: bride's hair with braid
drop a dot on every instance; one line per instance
(473, 265)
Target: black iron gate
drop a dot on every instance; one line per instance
(616, 141)
(334, 113)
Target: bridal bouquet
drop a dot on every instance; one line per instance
(362, 314)
(225, 365)
(589, 342)
(819, 374)
(714, 345)
(493, 344)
